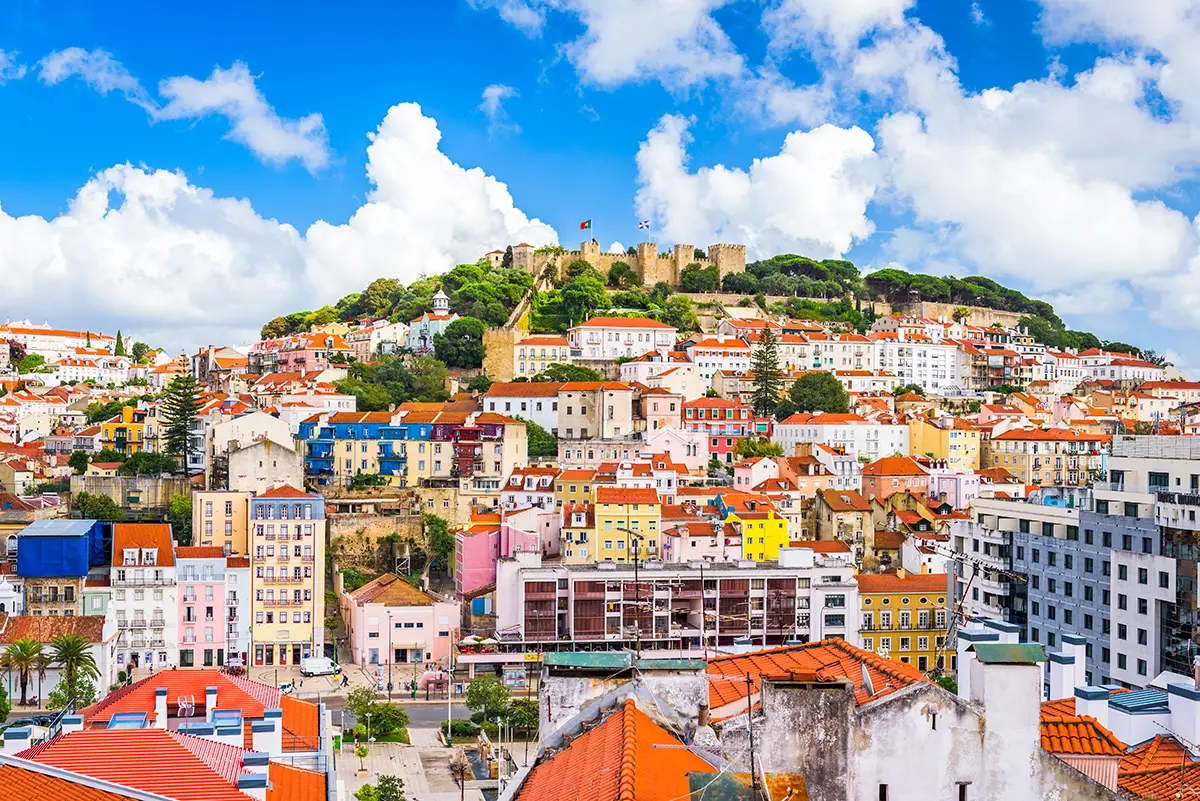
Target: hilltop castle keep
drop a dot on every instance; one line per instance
(650, 265)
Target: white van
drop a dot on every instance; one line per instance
(318, 666)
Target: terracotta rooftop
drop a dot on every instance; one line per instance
(844, 500)
(20, 784)
(628, 757)
(390, 590)
(143, 535)
(827, 659)
(284, 491)
(894, 466)
(626, 495)
(821, 546)
(524, 389)
(912, 582)
(45, 628)
(1080, 735)
(624, 322)
(199, 552)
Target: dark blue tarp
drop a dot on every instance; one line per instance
(48, 548)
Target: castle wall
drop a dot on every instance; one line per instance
(650, 265)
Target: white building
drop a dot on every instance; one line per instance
(423, 329)
(377, 337)
(1065, 370)
(144, 594)
(841, 352)
(856, 436)
(56, 343)
(1107, 366)
(617, 337)
(534, 400)
(529, 486)
(719, 353)
(917, 359)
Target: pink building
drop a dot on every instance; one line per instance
(310, 352)
(723, 422)
(661, 408)
(480, 544)
(391, 622)
(204, 617)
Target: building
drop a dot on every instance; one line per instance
(287, 542)
(220, 518)
(946, 438)
(125, 432)
(853, 435)
(53, 557)
(714, 354)
(209, 623)
(594, 410)
(536, 401)
(843, 515)
(98, 632)
(762, 534)
(481, 543)
(628, 523)
(377, 338)
(57, 343)
(723, 423)
(617, 337)
(891, 474)
(904, 617)
(423, 329)
(919, 359)
(804, 595)
(1049, 457)
(145, 595)
(534, 354)
(391, 622)
(650, 265)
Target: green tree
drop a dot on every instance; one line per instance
(180, 405)
(82, 693)
(523, 716)
(480, 383)
(179, 515)
(906, 388)
(98, 507)
(32, 363)
(489, 695)
(819, 391)
(947, 683)
(139, 351)
(506, 261)
(740, 283)
(119, 346)
(367, 792)
(5, 703)
(387, 718)
(25, 659)
(359, 701)
(461, 344)
(768, 380)
(749, 447)
(379, 296)
(276, 328)
(582, 295)
(361, 480)
(361, 752)
(108, 455)
(678, 312)
(145, 463)
(78, 461)
(698, 278)
(391, 788)
(622, 276)
(352, 579)
(441, 541)
(542, 444)
(559, 373)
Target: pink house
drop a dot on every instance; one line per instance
(481, 543)
(391, 622)
(204, 617)
(661, 408)
(310, 352)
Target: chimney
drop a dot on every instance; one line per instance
(160, 708)
(1062, 676)
(255, 762)
(966, 657)
(1007, 680)
(17, 740)
(72, 723)
(210, 702)
(268, 733)
(1184, 701)
(253, 785)
(702, 716)
(1092, 701)
(1076, 646)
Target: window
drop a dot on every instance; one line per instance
(1164, 580)
(1142, 606)
(1089, 565)
(1122, 601)
(1121, 661)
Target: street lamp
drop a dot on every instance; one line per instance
(391, 655)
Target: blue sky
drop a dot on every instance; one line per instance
(162, 169)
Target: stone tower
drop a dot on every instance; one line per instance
(681, 256)
(728, 258)
(647, 263)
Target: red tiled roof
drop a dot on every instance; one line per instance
(1053, 435)
(821, 546)
(889, 541)
(890, 582)
(844, 500)
(22, 784)
(390, 590)
(1161, 751)
(289, 783)
(894, 466)
(162, 764)
(45, 628)
(524, 389)
(199, 552)
(626, 495)
(828, 659)
(284, 491)
(143, 535)
(1081, 735)
(628, 757)
(623, 322)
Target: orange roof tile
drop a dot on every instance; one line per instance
(45, 628)
(626, 495)
(828, 659)
(390, 590)
(199, 552)
(619, 760)
(285, 491)
(821, 546)
(1161, 751)
(913, 582)
(524, 389)
(20, 784)
(289, 783)
(1162, 783)
(844, 500)
(894, 466)
(623, 322)
(143, 535)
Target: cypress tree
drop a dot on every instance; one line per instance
(119, 348)
(768, 381)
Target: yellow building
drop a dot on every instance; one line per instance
(221, 519)
(763, 533)
(533, 355)
(1049, 457)
(287, 548)
(904, 617)
(957, 444)
(125, 432)
(574, 487)
(619, 511)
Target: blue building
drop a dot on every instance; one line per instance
(340, 445)
(53, 557)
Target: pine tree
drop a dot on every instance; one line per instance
(768, 381)
(119, 348)
(180, 404)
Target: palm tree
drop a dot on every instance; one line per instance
(73, 654)
(26, 657)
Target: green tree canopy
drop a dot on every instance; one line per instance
(582, 295)
(440, 540)
(542, 444)
(815, 391)
(749, 447)
(179, 515)
(78, 461)
(906, 388)
(461, 344)
(98, 507)
(139, 351)
(740, 283)
(25, 659)
(679, 313)
(489, 695)
(698, 278)
(559, 373)
(768, 380)
(180, 404)
(146, 463)
(622, 276)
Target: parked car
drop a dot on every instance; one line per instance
(318, 666)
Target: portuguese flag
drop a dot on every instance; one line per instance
(585, 225)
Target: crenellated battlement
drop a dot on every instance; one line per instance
(651, 265)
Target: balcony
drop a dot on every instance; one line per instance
(143, 582)
(131, 624)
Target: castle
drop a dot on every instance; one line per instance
(650, 265)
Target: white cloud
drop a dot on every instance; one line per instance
(229, 93)
(810, 198)
(527, 15)
(232, 94)
(493, 106)
(978, 17)
(99, 70)
(10, 70)
(154, 254)
(839, 24)
(616, 247)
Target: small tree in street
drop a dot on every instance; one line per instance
(523, 716)
(78, 462)
(489, 695)
(361, 752)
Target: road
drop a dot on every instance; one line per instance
(423, 716)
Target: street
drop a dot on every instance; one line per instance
(423, 716)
